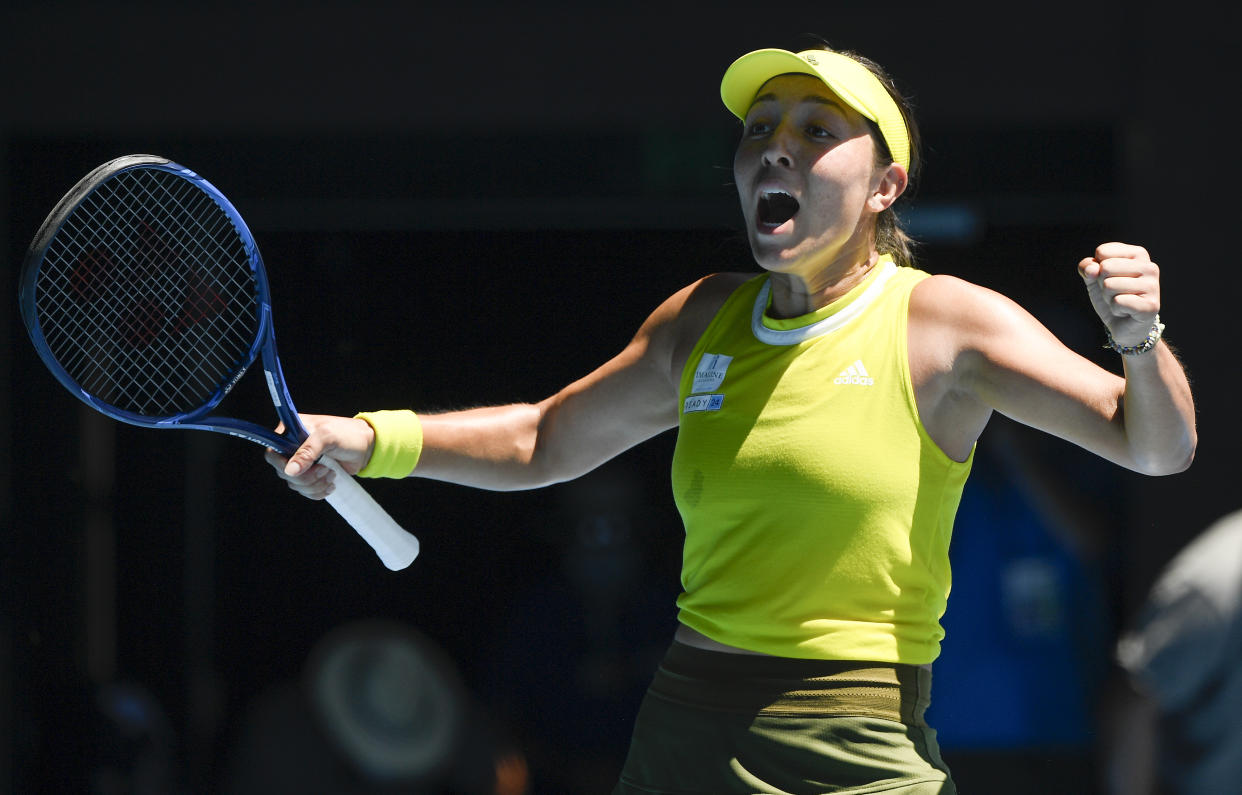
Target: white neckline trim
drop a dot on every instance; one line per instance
(793, 336)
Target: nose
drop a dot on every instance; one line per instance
(777, 150)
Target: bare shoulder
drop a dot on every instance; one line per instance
(941, 296)
(694, 305)
(704, 298)
(960, 334)
(939, 288)
(971, 314)
(678, 323)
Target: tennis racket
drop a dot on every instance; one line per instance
(145, 295)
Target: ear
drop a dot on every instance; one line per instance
(890, 183)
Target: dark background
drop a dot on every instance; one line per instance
(478, 203)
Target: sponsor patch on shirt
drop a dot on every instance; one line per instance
(710, 373)
(702, 403)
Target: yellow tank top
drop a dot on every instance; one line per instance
(817, 510)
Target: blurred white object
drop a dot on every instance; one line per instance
(389, 698)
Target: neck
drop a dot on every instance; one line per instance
(794, 295)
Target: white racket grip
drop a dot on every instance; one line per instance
(395, 547)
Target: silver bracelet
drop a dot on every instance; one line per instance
(1153, 336)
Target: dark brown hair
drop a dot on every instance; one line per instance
(890, 238)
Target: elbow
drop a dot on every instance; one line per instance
(544, 461)
(1169, 461)
(536, 473)
(548, 466)
(1165, 467)
(536, 469)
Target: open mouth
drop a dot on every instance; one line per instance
(775, 208)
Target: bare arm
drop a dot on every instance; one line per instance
(973, 351)
(627, 400)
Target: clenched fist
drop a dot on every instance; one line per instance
(1124, 285)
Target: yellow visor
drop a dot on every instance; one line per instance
(848, 79)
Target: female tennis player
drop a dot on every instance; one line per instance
(827, 411)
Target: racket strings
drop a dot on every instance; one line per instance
(147, 296)
(138, 319)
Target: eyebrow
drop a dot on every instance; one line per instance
(770, 97)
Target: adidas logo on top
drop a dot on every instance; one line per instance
(855, 374)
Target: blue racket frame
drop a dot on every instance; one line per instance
(263, 346)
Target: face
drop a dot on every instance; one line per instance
(806, 175)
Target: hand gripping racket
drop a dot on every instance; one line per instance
(145, 295)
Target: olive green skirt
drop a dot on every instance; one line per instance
(716, 724)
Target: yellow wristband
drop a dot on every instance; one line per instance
(398, 443)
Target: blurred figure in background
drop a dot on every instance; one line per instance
(1174, 726)
(380, 709)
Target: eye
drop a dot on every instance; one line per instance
(758, 127)
(818, 131)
